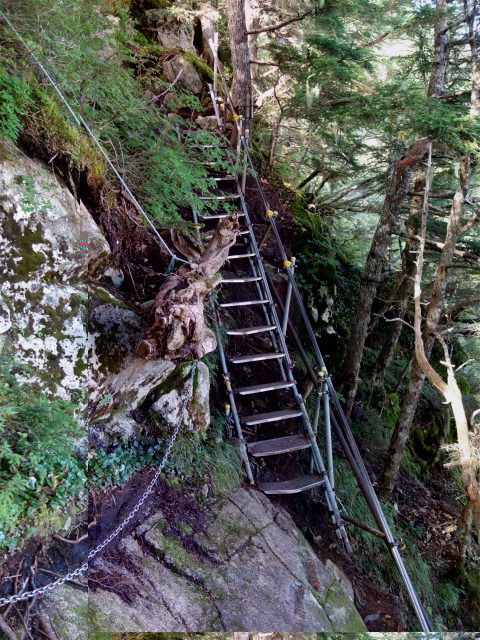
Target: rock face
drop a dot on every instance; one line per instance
(48, 243)
(114, 402)
(249, 568)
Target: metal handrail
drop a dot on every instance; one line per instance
(341, 426)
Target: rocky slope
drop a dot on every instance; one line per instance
(248, 568)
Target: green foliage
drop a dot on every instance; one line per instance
(110, 79)
(14, 101)
(376, 559)
(207, 458)
(40, 476)
(114, 467)
(195, 458)
(322, 268)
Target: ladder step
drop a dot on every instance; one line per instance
(244, 303)
(287, 487)
(237, 256)
(220, 216)
(240, 279)
(277, 446)
(263, 388)
(249, 331)
(273, 416)
(257, 357)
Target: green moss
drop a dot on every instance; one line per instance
(172, 552)
(53, 134)
(81, 363)
(102, 296)
(176, 380)
(184, 527)
(204, 71)
(23, 240)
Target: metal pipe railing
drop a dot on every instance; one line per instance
(342, 427)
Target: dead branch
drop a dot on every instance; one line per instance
(6, 629)
(76, 541)
(281, 24)
(178, 331)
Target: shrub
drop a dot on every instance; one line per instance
(14, 100)
(40, 475)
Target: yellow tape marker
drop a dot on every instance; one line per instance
(287, 263)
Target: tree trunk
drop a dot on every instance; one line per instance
(242, 92)
(435, 90)
(178, 331)
(434, 312)
(252, 13)
(404, 290)
(440, 59)
(373, 269)
(274, 140)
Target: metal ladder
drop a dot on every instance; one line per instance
(333, 415)
(294, 421)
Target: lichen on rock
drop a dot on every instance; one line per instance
(248, 568)
(49, 241)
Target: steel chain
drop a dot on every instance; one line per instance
(40, 591)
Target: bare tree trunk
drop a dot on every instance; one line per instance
(178, 331)
(404, 290)
(242, 92)
(435, 308)
(450, 389)
(373, 269)
(274, 140)
(440, 60)
(252, 12)
(435, 90)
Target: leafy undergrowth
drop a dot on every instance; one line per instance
(42, 479)
(194, 459)
(424, 517)
(113, 77)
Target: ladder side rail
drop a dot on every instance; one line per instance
(267, 313)
(231, 398)
(331, 501)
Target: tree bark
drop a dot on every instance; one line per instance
(440, 59)
(242, 91)
(403, 293)
(373, 269)
(435, 90)
(252, 13)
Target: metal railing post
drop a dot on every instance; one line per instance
(328, 435)
(289, 264)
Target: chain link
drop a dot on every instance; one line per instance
(19, 597)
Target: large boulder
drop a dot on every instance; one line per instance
(248, 568)
(182, 72)
(49, 244)
(115, 403)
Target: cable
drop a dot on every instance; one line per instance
(82, 123)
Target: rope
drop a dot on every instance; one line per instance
(28, 595)
(82, 123)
